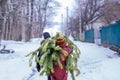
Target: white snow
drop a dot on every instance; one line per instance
(95, 62)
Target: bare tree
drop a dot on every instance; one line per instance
(87, 12)
(46, 10)
(24, 19)
(90, 12)
(2, 15)
(111, 11)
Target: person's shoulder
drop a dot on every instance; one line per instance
(69, 48)
(42, 41)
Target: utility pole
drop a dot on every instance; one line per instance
(62, 24)
(67, 15)
(67, 21)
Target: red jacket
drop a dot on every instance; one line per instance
(61, 74)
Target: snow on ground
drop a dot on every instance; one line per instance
(95, 62)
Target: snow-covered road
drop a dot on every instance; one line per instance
(95, 62)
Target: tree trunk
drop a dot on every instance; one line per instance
(3, 9)
(31, 19)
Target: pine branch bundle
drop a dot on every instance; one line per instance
(49, 52)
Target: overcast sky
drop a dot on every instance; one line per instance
(58, 18)
(65, 4)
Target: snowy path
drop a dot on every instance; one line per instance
(94, 63)
(30, 75)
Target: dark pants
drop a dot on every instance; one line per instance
(49, 77)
